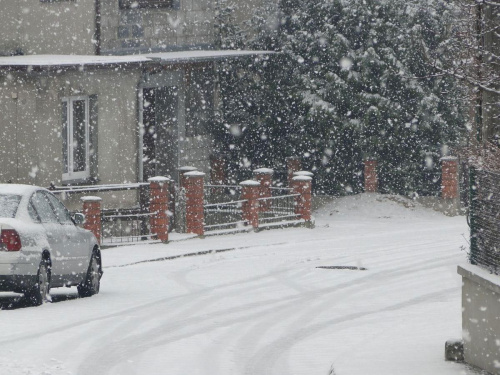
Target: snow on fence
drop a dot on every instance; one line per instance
(484, 219)
(205, 208)
(279, 209)
(224, 215)
(118, 225)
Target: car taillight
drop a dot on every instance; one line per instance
(10, 240)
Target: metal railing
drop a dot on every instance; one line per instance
(97, 188)
(221, 212)
(275, 209)
(125, 225)
(484, 219)
(118, 225)
(224, 215)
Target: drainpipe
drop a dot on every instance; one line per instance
(97, 28)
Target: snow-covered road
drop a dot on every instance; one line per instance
(263, 306)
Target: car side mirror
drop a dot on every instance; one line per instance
(78, 218)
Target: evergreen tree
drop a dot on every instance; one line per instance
(352, 80)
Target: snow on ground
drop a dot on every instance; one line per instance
(263, 306)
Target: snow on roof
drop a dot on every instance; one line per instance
(81, 60)
(69, 60)
(203, 55)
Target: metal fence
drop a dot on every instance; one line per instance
(223, 208)
(277, 209)
(484, 219)
(118, 225)
(224, 215)
(125, 225)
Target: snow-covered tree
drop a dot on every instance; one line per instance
(354, 79)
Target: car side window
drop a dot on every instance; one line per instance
(43, 208)
(32, 212)
(63, 215)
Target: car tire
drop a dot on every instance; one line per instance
(39, 293)
(92, 281)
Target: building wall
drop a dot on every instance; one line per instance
(32, 148)
(189, 23)
(481, 318)
(44, 27)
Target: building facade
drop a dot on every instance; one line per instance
(106, 91)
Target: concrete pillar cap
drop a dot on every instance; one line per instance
(250, 183)
(449, 158)
(302, 178)
(158, 179)
(91, 198)
(187, 168)
(194, 174)
(263, 171)
(303, 173)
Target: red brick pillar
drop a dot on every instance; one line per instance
(293, 164)
(265, 177)
(194, 202)
(371, 179)
(218, 169)
(92, 212)
(303, 203)
(158, 207)
(182, 172)
(449, 177)
(301, 173)
(250, 191)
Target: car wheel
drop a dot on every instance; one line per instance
(92, 281)
(40, 291)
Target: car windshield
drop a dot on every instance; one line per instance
(8, 204)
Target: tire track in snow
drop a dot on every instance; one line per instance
(308, 310)
(263, 362)
(200, 323)
(173, 301)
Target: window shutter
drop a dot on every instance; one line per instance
(93, 132)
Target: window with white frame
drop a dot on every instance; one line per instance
(75, 138)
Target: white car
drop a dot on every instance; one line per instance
(42, 247)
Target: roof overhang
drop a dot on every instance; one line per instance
(77, 61)
(195, 56)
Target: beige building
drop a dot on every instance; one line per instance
(106, 91)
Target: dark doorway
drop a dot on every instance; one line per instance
(160, 139)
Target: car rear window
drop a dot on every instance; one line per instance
(8, 205)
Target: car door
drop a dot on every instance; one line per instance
(54, 233)
(76, 246)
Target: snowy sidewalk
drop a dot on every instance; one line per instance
(264, 307)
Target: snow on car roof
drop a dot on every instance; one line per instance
(17, 189)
